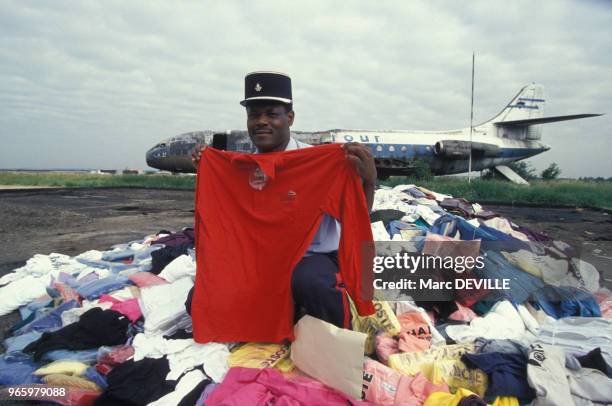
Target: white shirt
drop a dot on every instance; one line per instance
(327, 237)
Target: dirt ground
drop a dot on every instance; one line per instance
(71, 221)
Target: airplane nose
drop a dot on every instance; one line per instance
(155, 155)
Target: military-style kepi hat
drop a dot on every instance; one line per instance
(267, 86)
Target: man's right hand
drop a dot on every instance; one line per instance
(197, 154)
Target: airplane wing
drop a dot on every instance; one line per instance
(542, 120)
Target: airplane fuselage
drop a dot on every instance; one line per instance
(395, 153)
(512, 135)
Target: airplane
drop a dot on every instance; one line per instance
(512, 135)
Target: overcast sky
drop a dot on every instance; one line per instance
(87, 84)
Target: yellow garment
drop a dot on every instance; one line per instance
(62, 367)
(453, 399)
(505, 401)
(456, 375)
(262, 355)
(523, 263)
(383, 320)
(285, 365)
(71, 382)
(409, 363)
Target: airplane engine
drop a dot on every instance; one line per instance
(453, 149)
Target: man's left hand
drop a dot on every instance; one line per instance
(363, 160)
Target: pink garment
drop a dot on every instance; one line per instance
(410, 343)
(463, 313)
(146, 279)
(386, 387)
(415, 335)
(252, 386)
(604, 299)
(386, 346)
(606, 309)
(67, 292)
(129, 308)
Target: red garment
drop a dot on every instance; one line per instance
(248, 241)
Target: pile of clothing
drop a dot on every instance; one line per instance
(113, 326)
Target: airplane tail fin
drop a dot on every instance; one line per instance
(527, 104)
(523, 117)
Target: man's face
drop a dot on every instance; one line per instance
(268, 126)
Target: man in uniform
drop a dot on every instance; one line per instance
(316, 284)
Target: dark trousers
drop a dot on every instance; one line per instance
(318, 290)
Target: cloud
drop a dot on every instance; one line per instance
(95, 84)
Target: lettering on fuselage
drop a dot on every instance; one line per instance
(366, 139)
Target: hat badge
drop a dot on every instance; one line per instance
(258, 87)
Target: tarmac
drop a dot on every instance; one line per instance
(72, 221)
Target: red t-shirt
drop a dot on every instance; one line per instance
(248, 241)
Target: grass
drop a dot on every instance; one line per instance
(558, 192)
(79, 180)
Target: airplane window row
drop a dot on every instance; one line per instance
(391, 148)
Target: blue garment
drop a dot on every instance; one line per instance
(126, 245)
(521, 284)
(449, 224)
(422, 223)
(416, 193)
(438, 210)
(396, 226)
(485, 345)
(15, 327)
(51, 321)
(86, 356)
(504, 242)
(18, 342)
(27, 310)
(93, 375)
(318, 290)
(95, 289)
(565, 301)
(507, 374)
(499, 236)
(71, 282)
(52, 292)
(64, 277)
(24, 326)
(134, 256)
(482, 307)
(16, 369)
(116, 267)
